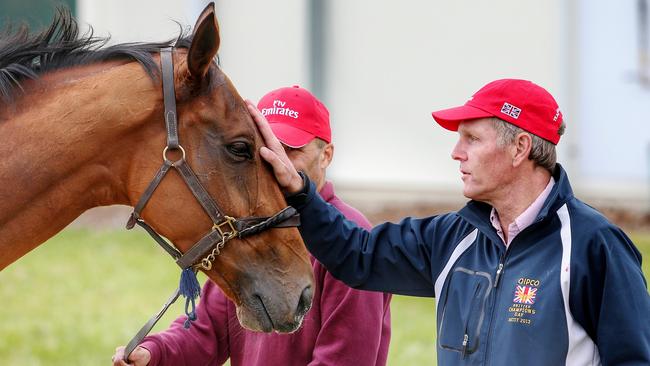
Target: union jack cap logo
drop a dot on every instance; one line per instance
(510, 110)
(525, 295)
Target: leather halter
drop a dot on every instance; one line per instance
(202, 254)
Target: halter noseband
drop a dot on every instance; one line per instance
(202, 254)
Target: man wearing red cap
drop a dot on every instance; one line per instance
(525, 273)
(343, 327)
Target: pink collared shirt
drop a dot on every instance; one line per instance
(525, 219)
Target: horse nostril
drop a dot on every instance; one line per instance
(305, 301)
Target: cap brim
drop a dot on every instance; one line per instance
(291, 136)
(452, 117)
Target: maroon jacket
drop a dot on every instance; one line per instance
(343, 327)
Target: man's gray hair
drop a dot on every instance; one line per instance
(542, 152)
(320, 143)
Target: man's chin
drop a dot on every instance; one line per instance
(470, 194)
(467, 192)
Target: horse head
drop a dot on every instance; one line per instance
(267, 275)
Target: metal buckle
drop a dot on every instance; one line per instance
(226, 234)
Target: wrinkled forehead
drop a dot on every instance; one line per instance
(480, 125)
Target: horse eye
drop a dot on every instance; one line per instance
(240, 150)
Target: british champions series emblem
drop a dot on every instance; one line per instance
(525, 295)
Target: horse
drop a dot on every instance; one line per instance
(83, 124)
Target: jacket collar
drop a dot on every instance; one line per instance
(478, 213)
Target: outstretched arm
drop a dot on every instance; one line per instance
(394, 258)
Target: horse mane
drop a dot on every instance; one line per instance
(24, 55)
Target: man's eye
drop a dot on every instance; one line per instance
(240, 150)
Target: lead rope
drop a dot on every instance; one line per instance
(189, 288)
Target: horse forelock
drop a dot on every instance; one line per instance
(25, 55)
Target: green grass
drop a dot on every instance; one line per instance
(74, 299)
(413, 325)
(642, 242)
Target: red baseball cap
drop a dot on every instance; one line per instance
(296, 116)
(519, 102)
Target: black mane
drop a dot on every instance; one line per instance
(27, 56)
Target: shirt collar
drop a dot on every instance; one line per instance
(526, 218)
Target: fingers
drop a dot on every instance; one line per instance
(118, 357)
(274, 154)
(270, 140)
(285, 173)
(139, 357)
(280, 168)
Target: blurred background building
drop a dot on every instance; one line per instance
(382, 66)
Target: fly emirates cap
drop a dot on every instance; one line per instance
(296, 116)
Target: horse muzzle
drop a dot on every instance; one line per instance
(267, 313)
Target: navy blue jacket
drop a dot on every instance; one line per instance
(568, 290)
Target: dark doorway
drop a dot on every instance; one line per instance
(36, 13)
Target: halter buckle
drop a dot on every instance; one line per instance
(230, 231)
(167, 148)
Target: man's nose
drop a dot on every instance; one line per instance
(457, 153)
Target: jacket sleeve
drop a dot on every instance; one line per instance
(612, 302)
(204, 343)
(395, 258)
(352, 325)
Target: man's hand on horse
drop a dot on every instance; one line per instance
(139, 357)
(274, 154)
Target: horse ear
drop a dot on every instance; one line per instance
(205, 43)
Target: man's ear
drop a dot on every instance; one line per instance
(521, 148)
(326, 156)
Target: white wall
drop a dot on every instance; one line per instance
(264, 44)
(392, 63)
(142, 20)
(613, 139)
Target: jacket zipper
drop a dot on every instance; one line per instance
(498, 274)
(497, 277)
(463, 351)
